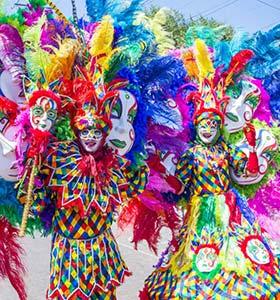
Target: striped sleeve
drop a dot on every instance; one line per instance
(133, 181)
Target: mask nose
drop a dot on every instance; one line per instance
(44, 118)
(208, 129)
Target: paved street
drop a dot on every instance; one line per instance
(37, 260)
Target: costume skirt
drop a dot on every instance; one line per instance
(83, 269)
(220, 253)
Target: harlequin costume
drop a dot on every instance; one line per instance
(85, 257)
(71, 182)
(221, 251)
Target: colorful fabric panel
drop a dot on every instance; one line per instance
(82, 267)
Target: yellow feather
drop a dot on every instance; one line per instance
(162, 36)
(190, 64)
(101, 42)
(203, 60)
(62, 60)
(157, 24)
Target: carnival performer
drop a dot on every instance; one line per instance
(221, 251)
(84, 182)
(70, 181)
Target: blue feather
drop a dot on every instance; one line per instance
(244, 208)
(222, 55)
(8, 196)
(160, 79)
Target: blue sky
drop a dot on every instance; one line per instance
(248, 15)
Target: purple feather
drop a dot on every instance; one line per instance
(32, 15)
(52, 31)
(11, 52)
(266, 206)
(263, 112)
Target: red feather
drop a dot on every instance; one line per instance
(11, 266)
(238, 62)
(8, 108)
(147, 222)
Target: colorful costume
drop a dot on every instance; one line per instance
(72, 180)
(96, 91)
(85, 258)
(220, 252)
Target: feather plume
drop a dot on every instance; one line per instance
(62, 60)
(203, 60)
(128, 15)
(99, 8)
(11, 51)
(157, 26)
(190, 64)
(160, 81)
(237, 64)
(37, 58)
(11, 266)
(101, 42)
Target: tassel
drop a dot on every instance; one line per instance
(28, 203)
(253, 163)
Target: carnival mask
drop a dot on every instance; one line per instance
(206, 259)
(208, 131)
(257, 252)
(43, 114)
(122, 135)
(243, 101)
(91, 138)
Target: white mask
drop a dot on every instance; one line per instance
(266, 143)
(122, 135)
(91, 139)
(207, 130)
(206, 260)
(257, 252)
(43, 114)
(239, 110)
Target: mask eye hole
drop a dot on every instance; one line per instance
(84, 133)
(52, 114)
(97, 133)
(37, 111)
